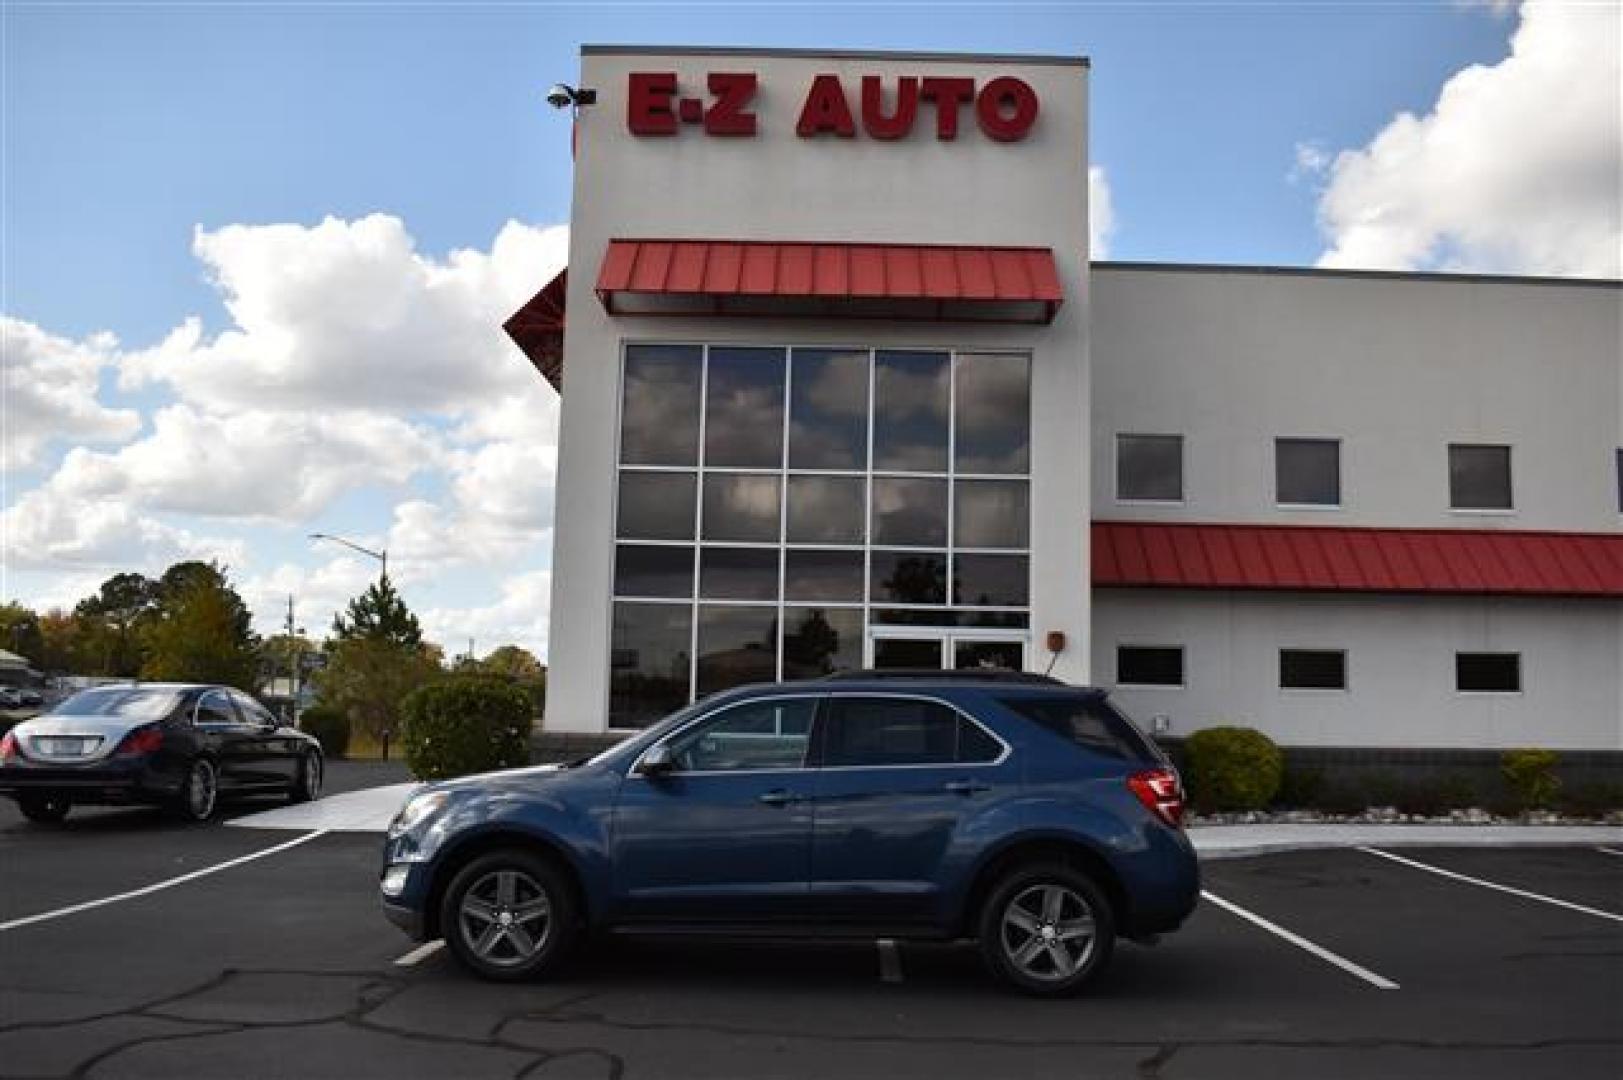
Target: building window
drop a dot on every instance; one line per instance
(1620, 481)
(1312, 669)
(1488, 673)
(773, 503)
(1149, 468)
(1307, 472)
(1478, 477)
(1149, 665)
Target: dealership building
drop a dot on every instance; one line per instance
(841, 387)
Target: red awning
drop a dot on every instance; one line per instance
(897, 281)
(1336, 559)
(538, 329)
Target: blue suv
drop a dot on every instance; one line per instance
(1015, 810)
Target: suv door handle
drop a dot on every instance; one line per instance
(778, 797)
(966, 787)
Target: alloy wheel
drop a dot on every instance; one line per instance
(505, 917)
(1048, 932)
(312, 776)
(202, 789)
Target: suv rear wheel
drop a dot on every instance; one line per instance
(1047, 930)
(508, 915)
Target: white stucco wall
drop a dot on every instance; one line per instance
(1400, 666)
(780, 187)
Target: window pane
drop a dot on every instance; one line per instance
(890, 654)
(909, 512)
(743, 421)
(990, 580)
(910, 411)
(755, 735)
(740, 507)
(828, 410)
(1488, 673)
(823, 575)
(1149, 467)
(737, 645)
(659, 413)
(1479, 477)
(646, 570)
(990, 514)
(1145, 665)
(827, 509)
(738, 573)
(976, 746)
(1307, 472)
(1312, 669)
(656, 506)
(974, 618)
(908, 577)
(648, 665)
(990, 655)
(1089, 722)
(889, 731)
(818, 641)
(993, 404)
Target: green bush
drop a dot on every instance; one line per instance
(329, 726)
(1233, 768)
(1530, 775)
(465, 725)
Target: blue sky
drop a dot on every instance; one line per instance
(150, 148)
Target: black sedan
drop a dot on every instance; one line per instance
(181, 746)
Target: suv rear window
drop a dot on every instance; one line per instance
(1089, 721)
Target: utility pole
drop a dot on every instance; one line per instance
(292, 665)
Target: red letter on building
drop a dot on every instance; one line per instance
(899, 123)
(648, 103)
(825, 110)
(733, 91)
(1006, 109)
(947, 93)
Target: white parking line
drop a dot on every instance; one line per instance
(1492, 885)
(1610, 851)
(890, 961)
(420, 953)
(46, 916)
(1380, 982)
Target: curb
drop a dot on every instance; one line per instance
(1214, 842)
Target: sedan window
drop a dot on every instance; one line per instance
(903, 731)
(769, 734)
(214, 709)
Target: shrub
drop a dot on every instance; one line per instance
(1530, 775)
(1233, 768)
(465, 725)
(329, 726)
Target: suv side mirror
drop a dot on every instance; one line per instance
(657, 761)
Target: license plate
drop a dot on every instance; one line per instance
(65, 746)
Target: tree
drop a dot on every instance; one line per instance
(112, 624)
(202, 632)
(514, 662)
(279, 652)
(63, 643)
(20, 632)
(380, 615)
(367, 677)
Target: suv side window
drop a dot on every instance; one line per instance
(214, 710)
(769, 734)
(877, 731)
(1090, 722)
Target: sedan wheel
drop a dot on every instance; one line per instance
(508, 915)
(307, 785)
(45, 810)
(1047, 930)
(202, 789)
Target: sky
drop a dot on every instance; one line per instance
(254, 257)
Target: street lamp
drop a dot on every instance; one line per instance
(381, 556)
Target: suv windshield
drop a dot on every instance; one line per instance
(133, 701)
(1090, 721)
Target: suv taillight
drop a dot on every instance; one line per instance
(143, 740)
(1160, 792)
(8, 747)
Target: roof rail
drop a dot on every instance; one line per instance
(1000, 675)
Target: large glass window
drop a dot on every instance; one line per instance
(774, 503)
(1307, 472)
(1478, 477)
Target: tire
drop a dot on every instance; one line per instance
(508, 915)
(1047, 930)
(199, 793)
(45, 809)
(307, 783)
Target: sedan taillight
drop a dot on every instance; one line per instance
(1160, 792)
(143, 740)
(8, 747)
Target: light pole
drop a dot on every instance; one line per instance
(381, 556)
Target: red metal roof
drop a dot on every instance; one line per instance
(1338, 559)
(538, 329)
(1000, 284)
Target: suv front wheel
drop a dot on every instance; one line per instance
(1047, 930)
(508, 915)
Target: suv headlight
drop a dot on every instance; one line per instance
(418, 809)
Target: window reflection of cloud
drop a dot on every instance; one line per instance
(740, 507)
(910, 411)
(828, 412)
(993, 402)
(910, 512)
(744, 422)
(660, 410)
(826, 509)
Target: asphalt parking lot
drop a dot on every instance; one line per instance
(281, 966)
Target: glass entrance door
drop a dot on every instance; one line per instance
(1006, 654)
(912, 651)
(924, 649)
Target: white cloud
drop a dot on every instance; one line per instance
(318, 593)
(518, 618)
(1517, 168)
(43, 530)
(49, 393)
(1312, 160)
(1101, 213)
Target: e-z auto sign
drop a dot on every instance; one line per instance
(1005, 108)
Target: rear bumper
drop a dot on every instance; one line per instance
(1163, 884)
(110, 783)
